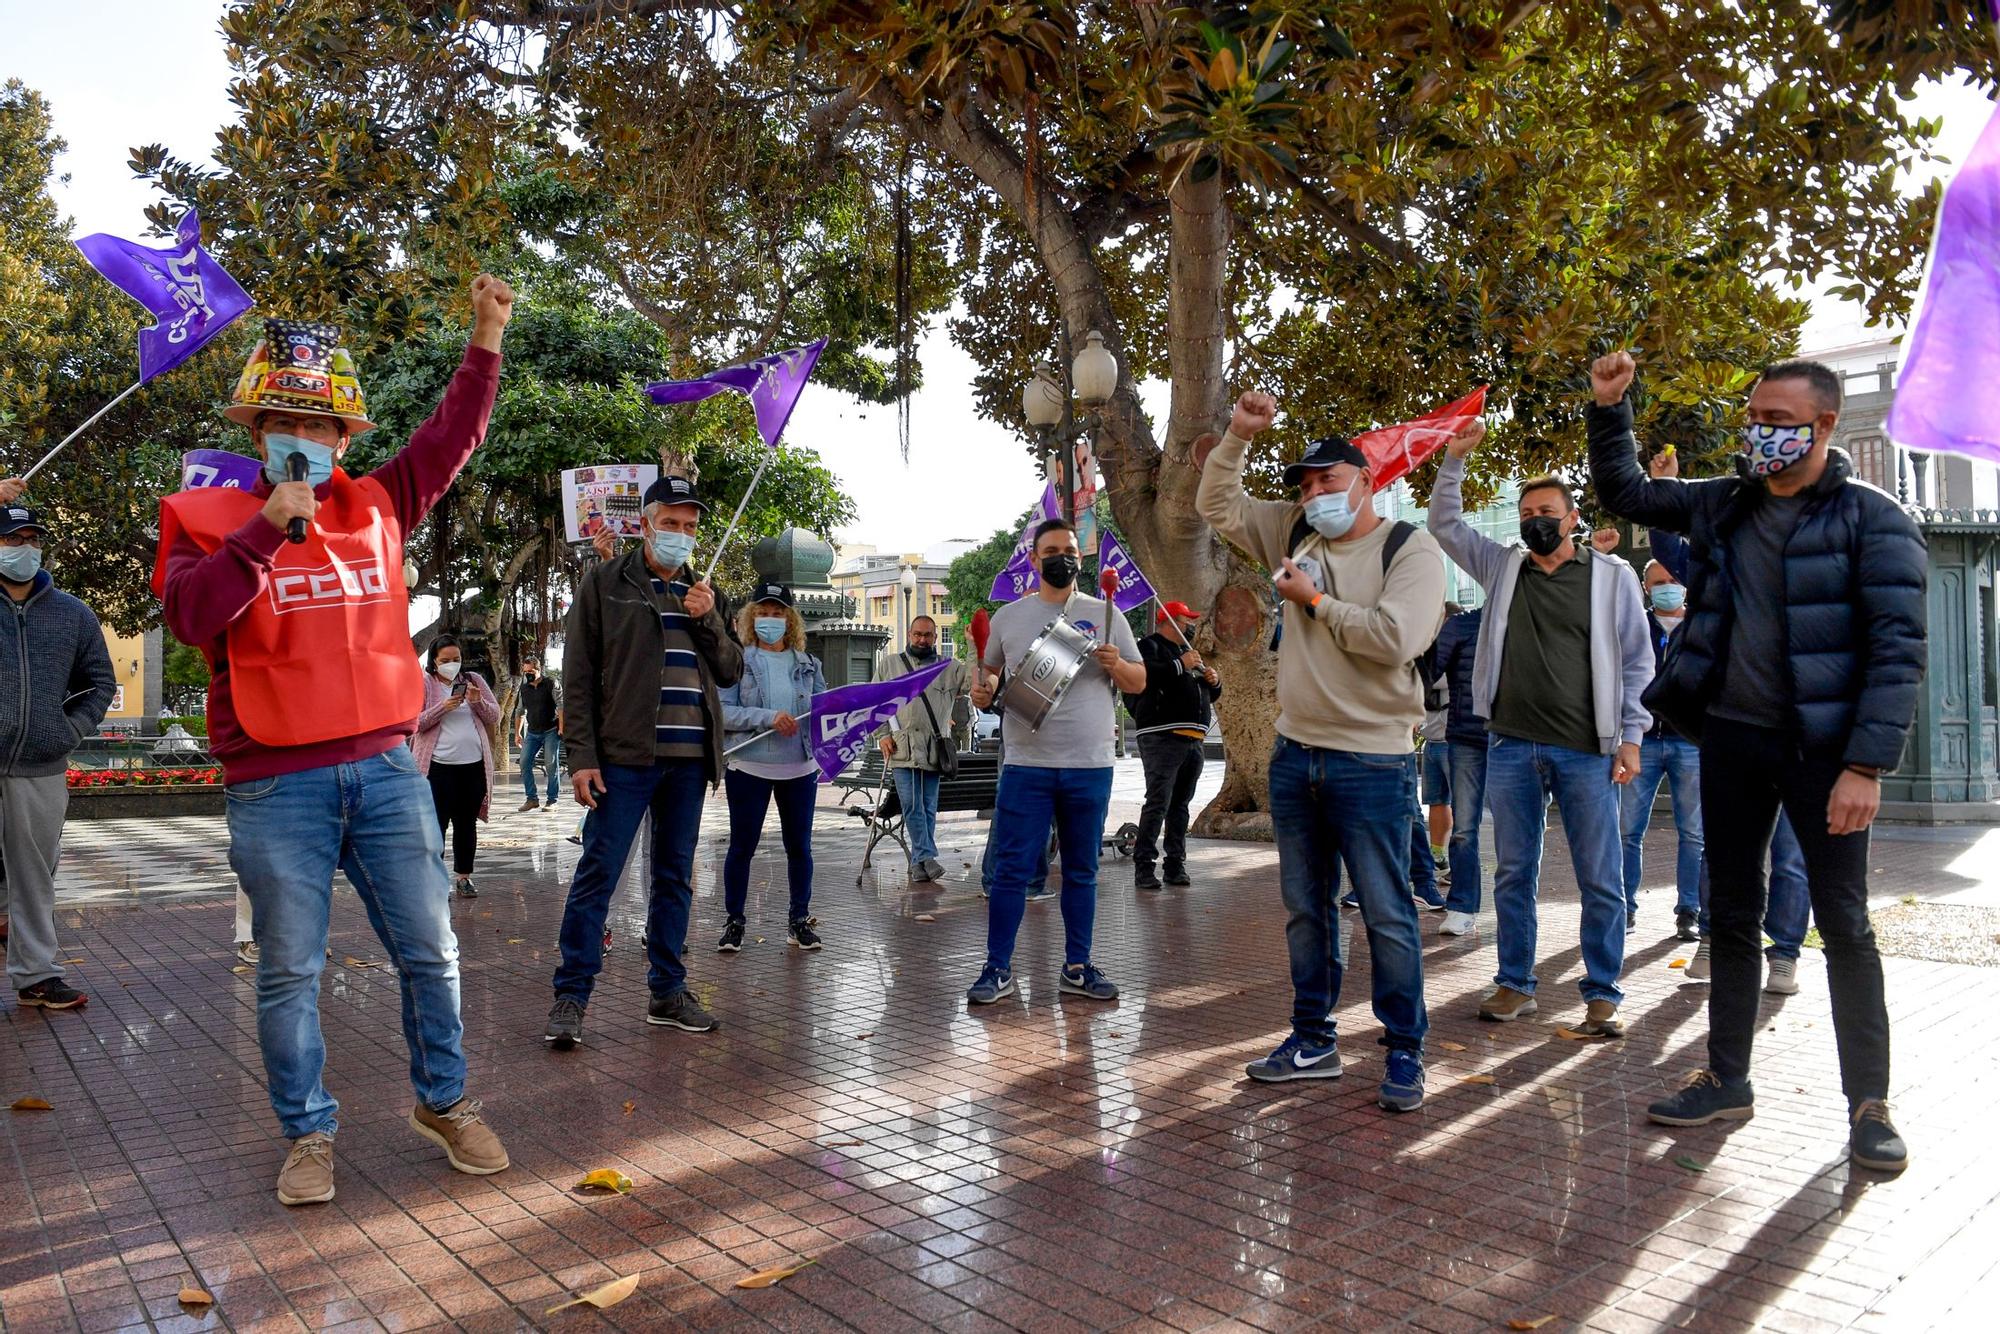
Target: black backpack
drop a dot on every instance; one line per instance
(1426, 664)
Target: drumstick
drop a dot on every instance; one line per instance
(1108, 583)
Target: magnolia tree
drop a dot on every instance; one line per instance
(1365, 208)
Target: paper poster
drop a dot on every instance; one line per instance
(606, 496)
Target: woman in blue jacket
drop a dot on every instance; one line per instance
(779, 681)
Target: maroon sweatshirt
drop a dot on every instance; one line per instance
(205, 593)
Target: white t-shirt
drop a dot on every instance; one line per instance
(458, 736)
(1077, 733)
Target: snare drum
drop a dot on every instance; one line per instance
(1054, 659)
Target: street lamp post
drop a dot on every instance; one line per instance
(908, 580)
(1045, 403)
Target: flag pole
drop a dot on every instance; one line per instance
(769, 731)
(741, 505)
(88, 423)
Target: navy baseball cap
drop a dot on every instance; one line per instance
(777, 593)
(671, 490)
(1324, 453)
(13, 518)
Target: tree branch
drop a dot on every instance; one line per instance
(1356, 233)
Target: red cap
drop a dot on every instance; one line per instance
(1179, 611)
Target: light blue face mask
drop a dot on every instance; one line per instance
(770, 629)
(672, 550)
(20, 564)
(1331, 516)
(1669, 597)
(279, 448)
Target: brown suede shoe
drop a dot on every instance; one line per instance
(1600, 1020)
(307, 1177)
(1506, 1005)
(467, 1141)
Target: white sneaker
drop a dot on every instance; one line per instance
(247, 951)
(1697, 969)
(1784, 979)
(1458, 924)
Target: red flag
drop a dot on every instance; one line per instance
(1395, 450)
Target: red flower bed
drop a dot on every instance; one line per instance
(204, 777)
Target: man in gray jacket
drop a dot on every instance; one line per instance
(55, 685)
(916, 740)
(1562, 659)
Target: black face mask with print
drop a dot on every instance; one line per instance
(1060, 571)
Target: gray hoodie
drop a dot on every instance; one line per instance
(55, 679)
(1621, 654)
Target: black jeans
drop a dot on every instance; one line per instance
(458, 791)
(1746, 773)
(1173, 766)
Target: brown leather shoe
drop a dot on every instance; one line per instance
(307, 1176)
(1506, 1005)
(1600, 1020)
(467, 1140)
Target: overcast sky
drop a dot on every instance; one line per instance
(119, 73)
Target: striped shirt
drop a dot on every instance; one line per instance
(681, 730)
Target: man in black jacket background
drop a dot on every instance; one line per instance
(1465, 746)
(1797, 672)
(1171, 717)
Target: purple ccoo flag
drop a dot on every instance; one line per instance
(1948, 392)
(218, 467)
(1019, 576)
(1133, 590)
(191, 298)
(845, 717)
(772, 383)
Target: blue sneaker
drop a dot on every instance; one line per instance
(993, 984)
(1351, 899)
(1402, 1082)
(1083, 979)
(1431, 899)
(1297, 1058)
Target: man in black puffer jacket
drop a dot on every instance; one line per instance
(1466, 738)
(1797, 672)
(1172, 721)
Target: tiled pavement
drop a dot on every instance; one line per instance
(1045, 1164)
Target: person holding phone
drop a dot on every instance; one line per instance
(454, 749)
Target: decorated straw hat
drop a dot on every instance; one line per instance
(295, 367)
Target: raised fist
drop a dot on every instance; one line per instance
(1666, 463)
(1605, 540)
(1254, 412)
(1611, 376)
(492, 302)
(1466, 439)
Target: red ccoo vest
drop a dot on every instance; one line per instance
(324, 651)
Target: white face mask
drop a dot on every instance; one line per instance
(448, 670)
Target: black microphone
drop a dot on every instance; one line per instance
(297, 470)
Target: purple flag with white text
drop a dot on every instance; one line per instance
(845, 717)
(218, 467)
(1133, 589)
(1948, 391)
(1019, 577)
(772, 384)
(191, 298)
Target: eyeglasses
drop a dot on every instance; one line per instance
(319, 430)
(27, 539)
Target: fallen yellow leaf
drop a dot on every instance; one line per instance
(605, 1178)
(609, 1295)
(241, 968)
(353, 962)
(1536, 1323)
(31, 1105)
(1677, 963)
(1451, 1046)
(1574, 1036)
(513, 940)
(1477, 1079)
(630, 1106)
(765, 1278)
(925, 917)
(69, 961)
(840, 1143)
(193, 1296)
(863, 1037)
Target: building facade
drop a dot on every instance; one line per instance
(874, 582)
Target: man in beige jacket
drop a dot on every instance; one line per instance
(1362, 600)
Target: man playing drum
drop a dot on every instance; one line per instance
(1058, 744)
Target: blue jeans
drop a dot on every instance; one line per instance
(1029, 798)
(672, 791)
(1676, 761)
(991, 856)
(1788, 910)
(372, 819)
(1435, 768)
(749, 798)
(1520, 777)
(917, 790)
(1468, 802)
(1330, 806)
(548, 746)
